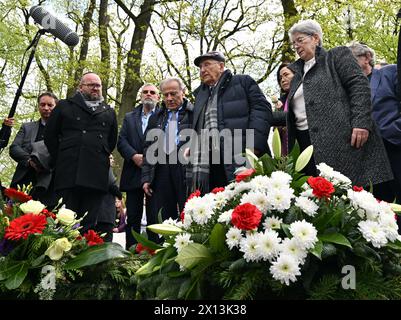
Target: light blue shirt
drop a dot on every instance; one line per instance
(170, 115)
(145, 119)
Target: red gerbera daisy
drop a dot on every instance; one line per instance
(25, 225)
(16, 195)
(92, 238)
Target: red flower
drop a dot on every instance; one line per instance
(25, 225)
(217, 190)
(48, 214)
(244, 174)
(140, 248)
(194, 194)
(182, 215)
(321, 187)
(357, 189)
(92, 238)
(246, 216)
(16, 195)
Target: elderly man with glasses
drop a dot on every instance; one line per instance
(80, 135)
(130, 145)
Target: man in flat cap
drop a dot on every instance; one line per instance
(225, 104)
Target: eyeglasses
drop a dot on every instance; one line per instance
(149, 91)
(300, 40)
(92, 85)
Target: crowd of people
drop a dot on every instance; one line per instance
(332, 99)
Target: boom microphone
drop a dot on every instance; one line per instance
(54, 26)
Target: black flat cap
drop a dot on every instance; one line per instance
(215, 55)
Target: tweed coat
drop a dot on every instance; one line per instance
(80, 142)
(337, 99)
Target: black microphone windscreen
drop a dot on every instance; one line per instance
(54, 26)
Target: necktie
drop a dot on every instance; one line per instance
(171, 134)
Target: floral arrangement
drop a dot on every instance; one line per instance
(40, 248)
(275, 232)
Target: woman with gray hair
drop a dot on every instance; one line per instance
(330, 108)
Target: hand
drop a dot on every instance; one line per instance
(138, 159)
(278, 105)
(115, 230)
(9, 122)
(359, 137)
(146, 188)
(34, 166)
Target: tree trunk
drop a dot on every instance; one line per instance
(290, 17)
(84, 48)
(104, 46)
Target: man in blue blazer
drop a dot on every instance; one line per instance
(386, 112)
(130, 146)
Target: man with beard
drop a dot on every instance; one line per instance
(80, 135)
(130, 146)
(29, 151)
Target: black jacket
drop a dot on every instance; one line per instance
(130, 142)
(158, 120)
(241, 105)
(80, 142)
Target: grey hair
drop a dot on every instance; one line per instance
(309, 27)
(181, 85)
(360, 50)
(148, 84)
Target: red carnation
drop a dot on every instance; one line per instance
(244, 174)
(139, 248)
(322, 188)
(25, 225)
(246, 216)
(217, 190)
(357, 189)
(182, 215)
(194, 194)
(92, 238)
(16, 195)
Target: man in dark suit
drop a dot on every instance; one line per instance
(23, 150)
(130, 146)
(386, 112)
(80, 135)
(163, 181)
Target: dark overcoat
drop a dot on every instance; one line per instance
(80, 142)
(337, 99)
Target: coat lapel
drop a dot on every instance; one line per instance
(137, 115)
(35, 129)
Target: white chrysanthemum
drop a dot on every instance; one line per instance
(182, 240)
(260, 183)
(385, 209)
(200, 210)
(187, 221)
(269, 244)
(280, 199)
(233, 237)
(366, 201)
(250, 247)
(225, 217)
(390, 227)
(308, 193)
(285, 269)
(291, 247)
(325, 170)
(173, 222)
(308, 206)
(221, 199)
(272, 223)
(304, 233)
(373, 232)
(258, 199)
(281, 176)
(242, 186)
(338, 179)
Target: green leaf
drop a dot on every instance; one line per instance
(286, 229)
(336, 238)
(268, 164)
(35, 263)
(146, 242)
(304, 158)
(252, 158)
(96, 254)
(15, 274)
(294, 154)
(396, 245)
(218, 238)
(395, 207)
(276, 144)
(238, 265)
(317, 250)
(164, 229)
(192, 255)
(153, 263)
(296, 184)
